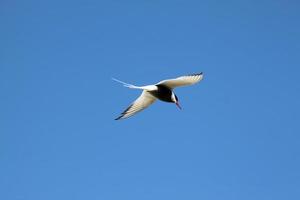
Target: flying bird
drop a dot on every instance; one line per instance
(162, 91)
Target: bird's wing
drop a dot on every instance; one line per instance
(182, 80)
(142, 102)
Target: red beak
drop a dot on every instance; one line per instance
(177, 104)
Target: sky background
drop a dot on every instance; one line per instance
(237, 136)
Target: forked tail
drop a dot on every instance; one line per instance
(126, 84)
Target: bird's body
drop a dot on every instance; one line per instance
(162, 91)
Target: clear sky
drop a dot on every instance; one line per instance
(237, 137)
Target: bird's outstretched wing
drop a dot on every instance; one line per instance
(142, 102)
(182, 81)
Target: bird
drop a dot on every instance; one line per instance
(162, 90)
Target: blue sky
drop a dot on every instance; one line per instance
(237, 136)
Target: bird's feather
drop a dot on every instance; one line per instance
(142, 102)
(146, 87)
(182, 81)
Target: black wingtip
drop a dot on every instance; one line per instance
(123, 113)
(196, 74)
(118, 118)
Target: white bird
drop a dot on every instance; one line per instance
(162, 91)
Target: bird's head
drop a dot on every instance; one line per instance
(175, 100)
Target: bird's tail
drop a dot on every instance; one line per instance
(126, 84)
